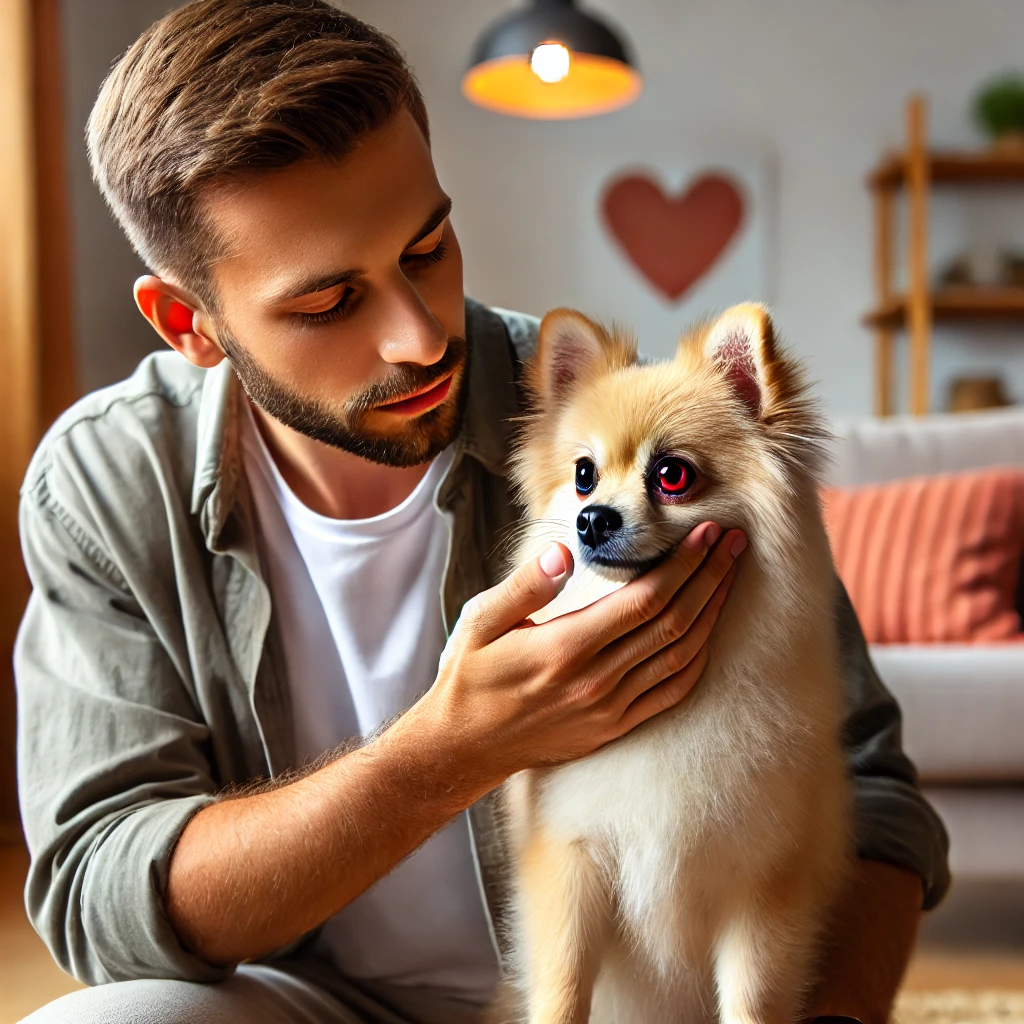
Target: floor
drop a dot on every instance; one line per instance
(975, 941)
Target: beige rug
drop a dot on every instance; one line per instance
(960, 1007)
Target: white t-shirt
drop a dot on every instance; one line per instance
(358, 605)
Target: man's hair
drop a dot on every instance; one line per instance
(221, 88)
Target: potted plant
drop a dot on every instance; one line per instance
(999, 111)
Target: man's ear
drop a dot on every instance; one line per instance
(742, 342)
(570, 347)
(178, 320)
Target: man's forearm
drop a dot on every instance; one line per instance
(870, 940)
(251, 874)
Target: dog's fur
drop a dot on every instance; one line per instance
(682, 873)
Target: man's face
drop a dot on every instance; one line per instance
(340, 298)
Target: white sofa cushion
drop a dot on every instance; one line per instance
(963, 708)
(986, 830)
(874, 450)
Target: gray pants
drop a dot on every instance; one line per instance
(255, 994)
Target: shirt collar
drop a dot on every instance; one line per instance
(493, 401)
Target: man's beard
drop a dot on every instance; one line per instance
(341, 427)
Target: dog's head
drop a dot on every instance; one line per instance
(620, 460)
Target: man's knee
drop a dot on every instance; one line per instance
(256, 996)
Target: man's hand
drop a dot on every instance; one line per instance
(514, 695)
(251, 874)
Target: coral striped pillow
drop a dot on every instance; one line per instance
(932, 558)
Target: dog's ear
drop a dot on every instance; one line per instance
(570, 347)
(742, 342)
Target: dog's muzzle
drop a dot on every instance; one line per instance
(597, 524)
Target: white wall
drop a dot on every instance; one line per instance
(814, 87)
(111, 336)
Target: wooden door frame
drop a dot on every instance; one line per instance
(37, 366)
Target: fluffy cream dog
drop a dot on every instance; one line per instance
(682, 873)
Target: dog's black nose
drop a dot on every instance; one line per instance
(596, 523)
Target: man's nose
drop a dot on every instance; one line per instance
(409, 332)
(596, 523)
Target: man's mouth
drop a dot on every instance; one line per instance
(420, 401)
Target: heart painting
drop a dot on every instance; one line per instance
(673, 240)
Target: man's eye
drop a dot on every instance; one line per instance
(426, 259)
(336, 312)
(428, 250)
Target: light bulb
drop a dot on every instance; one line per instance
(550, 62)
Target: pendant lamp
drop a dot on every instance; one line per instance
(552, 62)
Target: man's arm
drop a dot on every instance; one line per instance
(893, 822)
(113, 758)
(902, 847)
(250, 875)
(132, 849)
(870, 941)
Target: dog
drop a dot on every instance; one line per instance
(684, 872)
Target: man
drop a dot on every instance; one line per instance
(252, 552)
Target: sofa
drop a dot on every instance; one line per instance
(963, 704)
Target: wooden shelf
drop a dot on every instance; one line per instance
(954, 304)
(917, 169)
(952, 167)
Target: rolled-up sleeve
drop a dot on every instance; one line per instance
(112, 761)
(893, 821)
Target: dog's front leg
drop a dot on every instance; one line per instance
(564, 913)
(764, 958)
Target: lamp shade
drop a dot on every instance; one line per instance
(551, 61)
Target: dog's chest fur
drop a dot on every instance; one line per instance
(680, 809)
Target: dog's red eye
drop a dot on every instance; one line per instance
(672, 476)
